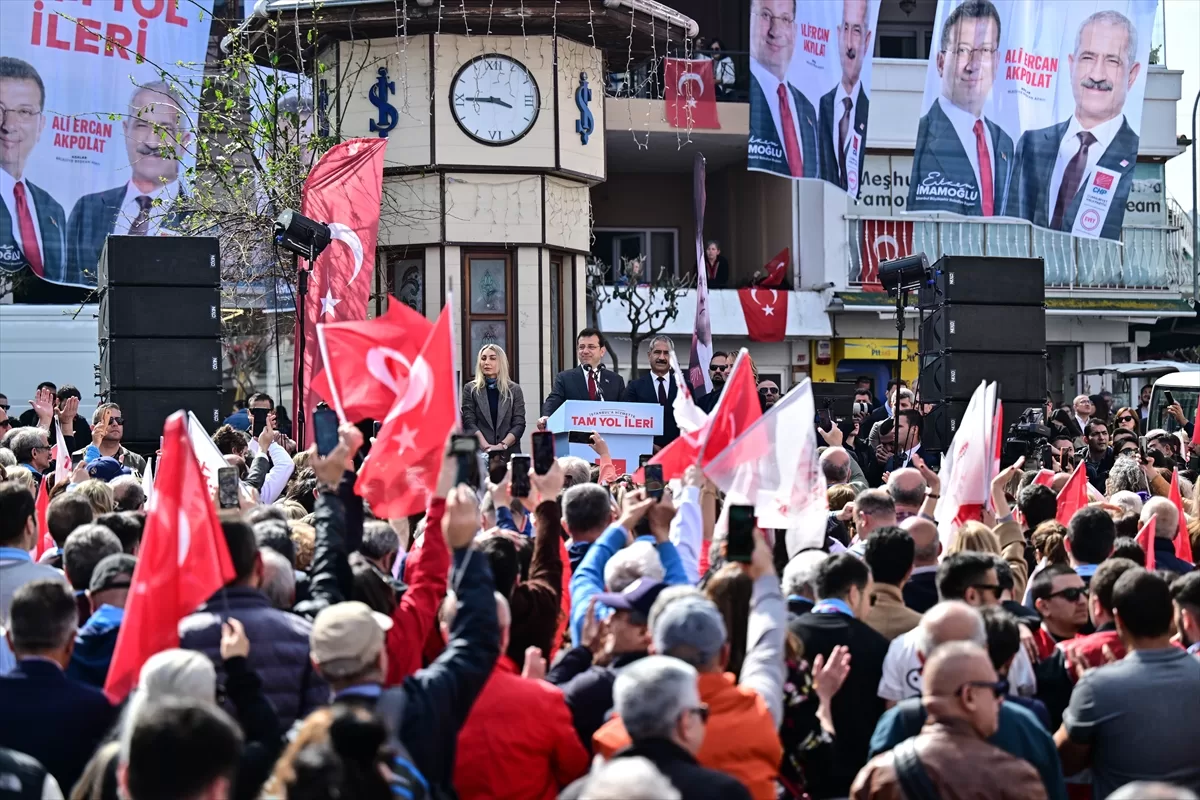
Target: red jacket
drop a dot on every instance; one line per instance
(427, 572)
(519, 741)
(1046, 642)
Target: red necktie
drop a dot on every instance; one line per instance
(985, 170)
(1072, 176)
(591, 385)
(662, 392)
(843, 130)
(790, 146)
(29, 242)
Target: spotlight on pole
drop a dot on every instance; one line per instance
(298, 234)
(902, 274)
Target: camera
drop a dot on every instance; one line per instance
(1029, 436)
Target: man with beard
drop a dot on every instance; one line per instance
(155, 138)
(718, 368)
(1185, 592)
(657, 387)
(1094, 149)
(842, 116)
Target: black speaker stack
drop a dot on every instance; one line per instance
(160, 331)
(984, 319)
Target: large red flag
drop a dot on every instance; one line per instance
(690, 93)
(736, 411)
(367, 364)
(1183, 544)
(182, 561)
(1145, 537)
(402, 470)
(344, 190)
(1073, 496)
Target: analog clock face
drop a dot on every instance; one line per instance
(494, 99)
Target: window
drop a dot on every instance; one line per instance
(405, 279)
(904, 42)
(489, 306)
(652, 249)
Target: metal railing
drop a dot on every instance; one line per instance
(644, 78)
(1146, 258)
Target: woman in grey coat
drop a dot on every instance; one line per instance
(493, 407)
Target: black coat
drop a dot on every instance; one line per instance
(693, 781)
(52, 718)
(587, 688)
(645, 390)
(920, 592)
(571, 384)
(857, 707)
(709, 401)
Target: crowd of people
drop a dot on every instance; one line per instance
(589, 640)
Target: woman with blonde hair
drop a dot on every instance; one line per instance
(974, 537)
(493, 407)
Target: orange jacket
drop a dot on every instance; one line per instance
(519, 742)
(741, 739)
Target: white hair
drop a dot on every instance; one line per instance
(1128, 501)
(1167, 524)
(651, 693)
(7, 459)
(800, 574)
(184, 674)
(576, 470)
(279, 579)
(621, 778)
(639, 560)
(1112, 18)
(1126, 476)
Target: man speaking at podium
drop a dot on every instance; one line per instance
(589, 381)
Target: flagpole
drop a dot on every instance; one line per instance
(337, 398)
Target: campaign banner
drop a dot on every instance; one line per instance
(810, 88)
(96, 133)
(1033, 111)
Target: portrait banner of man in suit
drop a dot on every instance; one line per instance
(1033, 111)
(810, 79)
(94, 133)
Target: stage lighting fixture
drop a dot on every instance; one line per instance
(903, 273)
(298, 234)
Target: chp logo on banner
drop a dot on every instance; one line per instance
(1033, 110)
(97, 139)
(690, 94)
(882, 240)
(810, 88)
(765, 310)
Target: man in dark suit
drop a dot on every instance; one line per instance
(844, 588)
(657, 387)
(963, 161)
(843, 110)
(32, 223)
(154, 139)
(47, 715)
(909, 424)
(783, 123)
(1075, 176)
(718, 370)
(589, 381)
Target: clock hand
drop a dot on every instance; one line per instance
(493, 100)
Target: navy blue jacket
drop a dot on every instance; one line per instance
(645, 390)
(52, 718)
(1165, 558)
(94, 645)
(588, 689)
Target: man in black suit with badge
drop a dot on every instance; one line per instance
(32, 223)
(783, 122)
(155, 138)
(843, 109)
(963, 161)
(589, 381)
(1075, 176)
(657, 387)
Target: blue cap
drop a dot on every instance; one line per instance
(106, 468)
(638, 597)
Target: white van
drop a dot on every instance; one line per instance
(52, 343)
(1184, 388)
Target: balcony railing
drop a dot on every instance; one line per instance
(1146, 258)
(644, 79)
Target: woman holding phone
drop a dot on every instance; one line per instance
(493, 407)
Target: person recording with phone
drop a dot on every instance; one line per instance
(271, 467)
(108, 426)
(493, 406)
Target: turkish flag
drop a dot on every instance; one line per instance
(344, 191)
(1145, 537)
(736, 411)
(1073, 496)
(367, 363)
(44, 540)
(402, 470)
(182, 561)
(1183, 544)
(766, 313)
(690, 93)
(1044, 478)
(776, 270)
(882, 240)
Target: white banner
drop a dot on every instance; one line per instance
(95, 140)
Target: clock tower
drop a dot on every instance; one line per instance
(494, 117)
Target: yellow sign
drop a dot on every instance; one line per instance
(877, 349)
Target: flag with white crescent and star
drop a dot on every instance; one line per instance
(766, 311)
(344, 191)
(404, 464)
